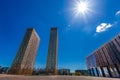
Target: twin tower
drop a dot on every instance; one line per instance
(24, 61)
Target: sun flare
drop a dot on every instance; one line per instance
(81, 7)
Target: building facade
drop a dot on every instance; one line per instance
(105, 61)
(23, 63)
(51, 66)
(63, 71)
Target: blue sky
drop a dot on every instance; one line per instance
(78, 35)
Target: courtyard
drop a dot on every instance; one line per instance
(20, 77)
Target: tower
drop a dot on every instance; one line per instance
(23, 63)
(51, 66)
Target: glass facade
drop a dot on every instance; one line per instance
(107, 58)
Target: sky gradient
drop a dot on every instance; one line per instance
(78, 35)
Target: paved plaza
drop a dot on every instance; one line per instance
(16, 77)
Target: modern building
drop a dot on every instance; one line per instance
(51, 66)
(39, 71)
(64, 72)
(23, 63)
(81, 72)
(105, 61)
(3, 70)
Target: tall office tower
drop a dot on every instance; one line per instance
(51, 66)
(23, 63)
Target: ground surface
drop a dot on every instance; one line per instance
(15, 77)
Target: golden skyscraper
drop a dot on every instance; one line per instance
(23, 63)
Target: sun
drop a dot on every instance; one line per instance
(81, 7)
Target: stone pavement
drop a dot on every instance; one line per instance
(16, 77)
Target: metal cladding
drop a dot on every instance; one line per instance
(51, 66)
(106, 59)
(24, 61)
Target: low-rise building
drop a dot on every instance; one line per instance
(81, 72)
(64, 72)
